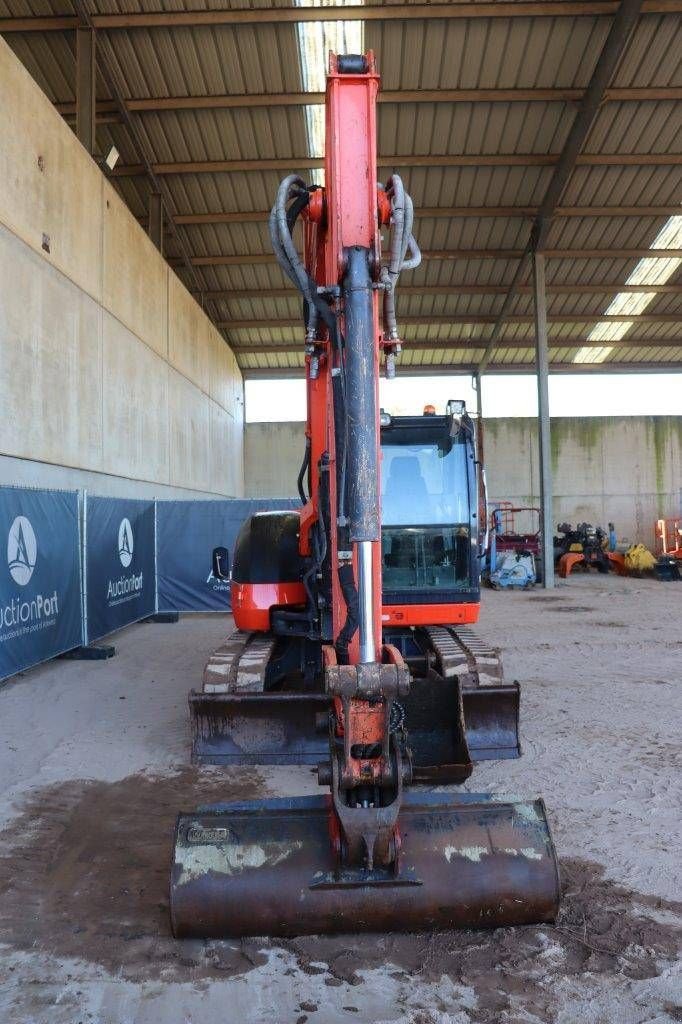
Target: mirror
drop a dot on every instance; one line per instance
(221, 563)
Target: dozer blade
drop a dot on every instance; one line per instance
(266, 868)
(447, 735)
(292, 728)
(461, 714)
(259, 728)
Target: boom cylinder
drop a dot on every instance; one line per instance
(363, 437)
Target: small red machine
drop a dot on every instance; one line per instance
(668, 534)
(349, 650)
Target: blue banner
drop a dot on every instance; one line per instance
(187, 534)
(119, 564)
(40, 588)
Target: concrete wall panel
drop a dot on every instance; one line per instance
(50, 361)
(237, 395)
(273, 453)
(135, 406)
(223, 467)
(222, 372)
(135, 286)
(86, 346)
(189, 418)
(50, 190)
(188, 335)
(31, 473)
(513, 452)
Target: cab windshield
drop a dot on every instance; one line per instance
(426, 535)
(424, 484)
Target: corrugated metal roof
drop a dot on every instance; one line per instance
(478, 53)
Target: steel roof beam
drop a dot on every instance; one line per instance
(240, 259)
(445, 320)
(281, 15)
(466, 369)
(272, 348)
(621, 30)
(158, 104)
(608, 288)
(409, 160)
(86, 88)
(441, 212)
(616, 43)
(53, 23)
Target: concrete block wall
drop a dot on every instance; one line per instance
(627, 470)
(111, 376)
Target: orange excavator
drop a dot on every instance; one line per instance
(353, 649)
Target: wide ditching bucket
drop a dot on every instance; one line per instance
(266, 868)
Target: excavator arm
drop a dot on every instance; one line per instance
(374, 853)
(341, 279)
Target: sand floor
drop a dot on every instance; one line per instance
(94, 765)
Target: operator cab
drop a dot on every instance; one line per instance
(429, 502)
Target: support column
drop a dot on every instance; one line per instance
(479, 421)
(156, 220)
(483, 512)
(86, 96)
(479, 398)
(542, 364)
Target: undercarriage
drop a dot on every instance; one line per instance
(263, 702)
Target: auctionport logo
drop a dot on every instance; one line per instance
(125, 543)
(23, 615)
(125, 588)
(22, 550)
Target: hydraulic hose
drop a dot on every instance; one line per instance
(281, 224)
(402, 242)
(302, 472)
(350, 597)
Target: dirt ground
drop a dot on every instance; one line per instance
(94, 765)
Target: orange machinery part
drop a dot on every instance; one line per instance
(429, 614)
(573, 558)
(252, 602)
(567, 562)
(617, 559)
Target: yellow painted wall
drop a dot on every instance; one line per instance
(107, 364)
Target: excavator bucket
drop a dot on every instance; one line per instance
(266, 868)
(451, 727)
(492, 722)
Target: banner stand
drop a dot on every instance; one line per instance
(187, 533)
(85, 652)
(93, 653)
(168, 617)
